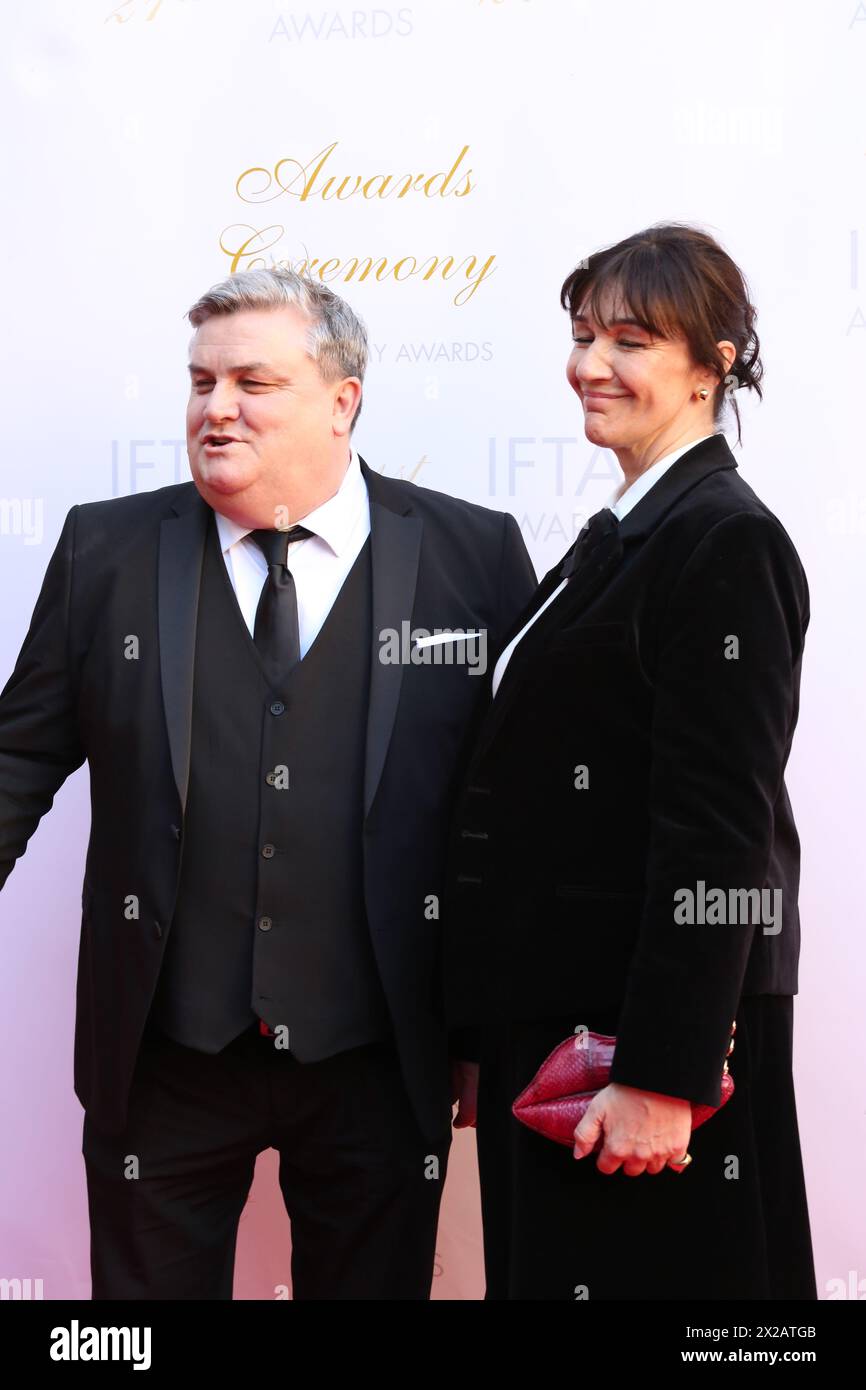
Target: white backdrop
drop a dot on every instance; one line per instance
(153, 146)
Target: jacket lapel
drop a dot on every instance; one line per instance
(546, 586)
(395, 541)
(595, 573)
(588, 581)
(181, 546)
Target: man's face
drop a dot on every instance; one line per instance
(253, 384)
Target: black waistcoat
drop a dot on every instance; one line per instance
(270, 919)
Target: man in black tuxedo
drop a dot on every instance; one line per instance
(271, 780)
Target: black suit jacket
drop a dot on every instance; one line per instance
(124, 578)
(562, 882)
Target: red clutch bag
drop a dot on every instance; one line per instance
(557, 1097)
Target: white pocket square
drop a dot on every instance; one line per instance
(439, 637)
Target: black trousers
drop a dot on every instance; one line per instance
(360, 1182)
(733, 1225)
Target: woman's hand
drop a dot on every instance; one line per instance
(642, 1130)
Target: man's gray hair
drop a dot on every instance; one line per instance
(337, 338)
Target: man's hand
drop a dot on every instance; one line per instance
(464, 1092)
(642, 1131)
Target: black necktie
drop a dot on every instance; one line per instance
(276, 627)
(594, 532)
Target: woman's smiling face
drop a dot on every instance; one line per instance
(637, 388)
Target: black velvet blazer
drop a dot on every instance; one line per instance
(625, 804)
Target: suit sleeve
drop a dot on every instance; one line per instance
(517, 584)
(721, 734)
(517, 578)
(39, 743)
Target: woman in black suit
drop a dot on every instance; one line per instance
(625, 858)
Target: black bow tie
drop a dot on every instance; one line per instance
(602, 524)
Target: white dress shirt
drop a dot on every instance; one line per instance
(319, 564)
(620, 504)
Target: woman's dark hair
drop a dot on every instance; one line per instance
(673, 279)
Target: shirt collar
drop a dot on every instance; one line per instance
(642, 484)
(334, 521)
